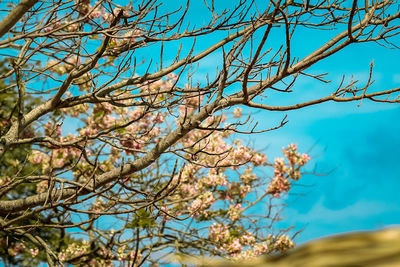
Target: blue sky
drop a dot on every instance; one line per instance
(358, 153)
(354, 149)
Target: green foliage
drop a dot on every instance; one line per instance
(142, 219)
(13, 166)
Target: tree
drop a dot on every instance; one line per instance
(128, 160)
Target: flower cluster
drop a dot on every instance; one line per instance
(256, 250)
(75, 249)
(108, 257)
(218, 233)
(294, 157)
(211, 149)
(77, 110)
(99, 204)
(63, 67)
(4, 180)
(59, 158)
(219, 180)
(242, 155)
(246, 246)
(237, 112)
(283, 243)
(97, 11)
(16, 248)
(123, 254)
(84, 82)
(237, 190)
(127, 38)
(202, 203)
(189, 105)
(42, 186)
(248, 176)
(37, 157)
(214, 178)
(106, 253)
(235, 212)
(283, 172)
(51, 129)
(230, 240)
(34, 252)
(133, 137)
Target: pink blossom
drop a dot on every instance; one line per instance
(72, 28)
(215, 179)
(304, 159)
(72, 62)
(124, 12)
(16, 249)
(107, 17)
(259, 159)
(34, 252)
(159, 118)
(237, 112)
(42, 186)
(248, 176)
(235, 212)
(38, 157)
(59, 162)
(83, 7)
(96, 13)
(260, 249)
(172, 76)
(235, 246)
(62, 256)
(201, 203)
(131, 37)
(218, 232)
(292, 147)
(278, 185)
(247, 239)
